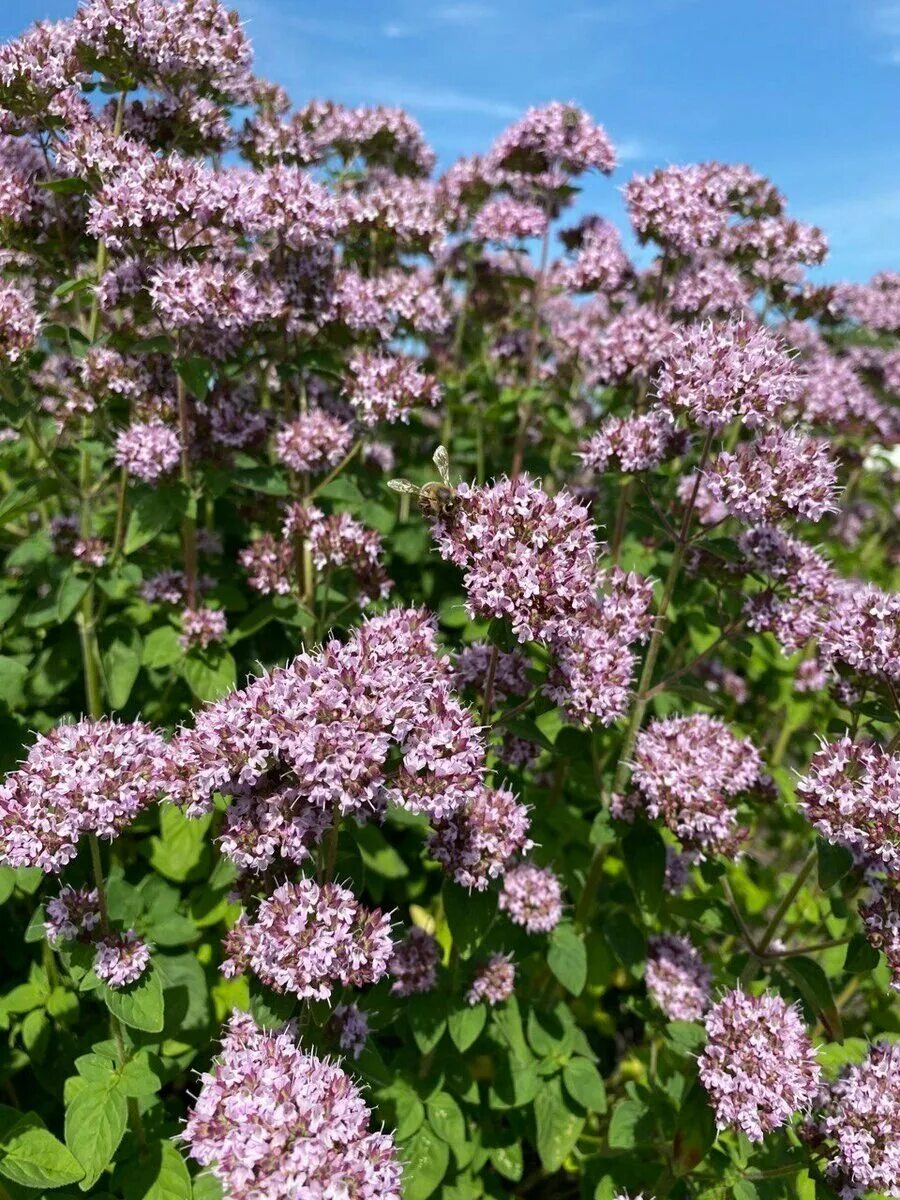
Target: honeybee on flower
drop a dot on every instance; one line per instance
(435, 498)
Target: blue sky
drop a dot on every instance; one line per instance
(807, 91)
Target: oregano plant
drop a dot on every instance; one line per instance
(448, 671)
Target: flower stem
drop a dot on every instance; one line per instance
(749, 972)
(642, 696)
(134, 1116)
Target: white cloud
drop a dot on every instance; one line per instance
(632, 149)
(393, 29)
(462, 13)
(435, 99)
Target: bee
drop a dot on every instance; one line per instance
(437, 498)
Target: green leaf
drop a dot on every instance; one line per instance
(270, 1009)
(209, 673)
(645, 861)
(626, 940)
(509, 1161)
(408, 1109)
(377, 853)
(446, 1119)
(139, 1005)
(630, 1123)
(13, 675)
(22, 500)
(695, 1130)
(71, 593)
(162, 647)
(153, 512)
(426, 1160)
(161, 1174)
(584, 1083)
(816, 991)
(95, 1124)
(558, 1126)
(32, 1156)
(196, 373)
(428, 1019)
(141, 1075)
(550, 723)
(469, 916)
(567, 958)
(465, 1025)
(551, 1034)
(861, 955)
(121, 658)
(834, 863)
(178, 851)
(686, 1036)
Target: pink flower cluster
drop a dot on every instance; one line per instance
(273, 1121)
(634, 443)
(313, 442)
(414, 963)
(473, 663)
(355, 726)
(351, 1027)
(121, 959)
(851, 794)
(600, 262)
(19, 322)
(148, 449)
(475, 842)
(551, 143)
(337, 541)
(494, 981)
(779, 474)
(505, 219)
(717, 372)
(385, 387)
(759, 1065)
(531, 896)
(270, 820)
(862, 630)
(677, 978)
(307, 938)
(862, 1119)
(881, 923)
(71, 914)
(685, 770)
(530, 558)
(89, 777)
(202, 627)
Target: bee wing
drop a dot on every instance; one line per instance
(404, 486)
(442, 461)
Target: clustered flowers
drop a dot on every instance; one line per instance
(685, 770)
(90, 777)
(531, 559)
(780, 474)
(275, 1120)
(413, 964)
(851, 794)
(276, 333)
(532, 897)
(121, 959)
(717, 372)
(307, 938)
(677, 978)
(494, 981)
(148, 449)
(759, 1065)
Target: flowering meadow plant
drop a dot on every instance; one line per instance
(449, 672)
